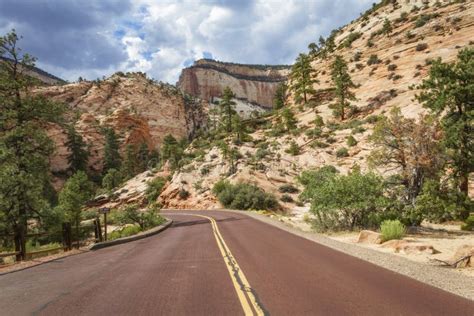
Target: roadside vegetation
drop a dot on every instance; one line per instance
(243, 196)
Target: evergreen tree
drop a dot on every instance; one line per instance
(279, 99)
(172, 151)
(302, 79)
(112, 179)
(313, 49)
(387, 27)
(112, 157)
(449, 93)
(78, 153)
(227, 108)
(24, 146)
(76, 192)
(343, 84)
(129, 163)
(289, 119)
(143, 157)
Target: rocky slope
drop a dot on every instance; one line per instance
(138, 109)
(435, 29)
(206, 79)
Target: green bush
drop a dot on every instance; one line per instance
(243, 196)
(183, 194)
(373, 59)
(392, 229)
(342, 202)
(286, 198)
(421, 46)
(469, 223)
(131, 214)
(342, 152)
(124, 232)
(288, 188)
(154, 189)
(294, 149)
(351, 141)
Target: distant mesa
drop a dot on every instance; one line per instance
(207, 78)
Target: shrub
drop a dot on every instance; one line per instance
(288, 188)
(351, 141)
(421, 46)
(342, 152)
(391, 67)
(124, 232)
(344, 201)
(469, 223)
(392, 229)
(294, 149)
(131, 214)
(357, 56)
(351, 38)
(373, 59)
(286, 198)
(154, 189)
(183, 194)
(243, 196)
(205, 170)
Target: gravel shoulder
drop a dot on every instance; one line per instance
(437, 276)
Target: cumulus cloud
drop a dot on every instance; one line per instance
(75, 38)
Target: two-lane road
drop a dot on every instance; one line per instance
(199, 266)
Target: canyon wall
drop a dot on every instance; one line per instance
(257, 84)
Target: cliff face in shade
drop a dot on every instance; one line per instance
(139, 110)
(207, 79)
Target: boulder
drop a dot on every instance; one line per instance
(369, 237)
(463, 257)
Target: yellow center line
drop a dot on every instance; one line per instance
(242, 287)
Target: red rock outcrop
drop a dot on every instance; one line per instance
(207, 79)
(138, 109)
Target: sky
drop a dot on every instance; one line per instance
(95, 38)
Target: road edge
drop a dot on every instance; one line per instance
(458, 284)
(138, 236)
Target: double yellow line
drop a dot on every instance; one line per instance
(244, 291)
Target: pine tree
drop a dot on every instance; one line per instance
(78, 153)
(129, 163)
(24, 146)
(112, 157)
(342, 83)
(172, 151)
(112, 179)
(76, 192)
(449, 93)
(279, 99)
(387, 27)
(143, 157)
(227, 108)
(302, 79)
(313, 49)
(289, 119)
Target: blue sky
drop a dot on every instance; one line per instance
(88, 38)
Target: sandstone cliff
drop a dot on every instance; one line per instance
(138, 109)
(207, 79)
(427, 30)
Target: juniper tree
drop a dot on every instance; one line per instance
(143, 157)
(343, 84)
(78, 153)
(302, 79)
(449, 93)
(387, 27)
(24, 145)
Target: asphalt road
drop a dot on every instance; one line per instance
(229, 266)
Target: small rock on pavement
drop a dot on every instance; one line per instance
(369, 237)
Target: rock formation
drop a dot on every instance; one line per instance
(138, 109)
(206, 79)
(421, 31)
